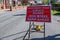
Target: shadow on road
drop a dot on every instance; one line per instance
(48, 38)
(19, 15)
(12, 35)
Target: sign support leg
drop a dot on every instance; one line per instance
(29, 31)
(44, 30)
(33, 24)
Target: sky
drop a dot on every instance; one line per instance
(59, 0)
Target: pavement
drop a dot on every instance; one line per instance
(13, 27)
(1, 11)
(4, 10)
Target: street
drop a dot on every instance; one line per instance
(13, 27)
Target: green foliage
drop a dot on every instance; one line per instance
(58, 20)
(19, 4)
(52, 2)
(55, 2)
(54, 12)
(56, 5)
(45, 1)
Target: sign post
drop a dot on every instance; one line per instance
(37, 14)
(44, 30)
(29, 31)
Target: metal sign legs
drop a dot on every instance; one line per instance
(29, 30)
(44, 30)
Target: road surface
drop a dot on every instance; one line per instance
(13, 27)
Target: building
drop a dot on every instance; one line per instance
(7, 4)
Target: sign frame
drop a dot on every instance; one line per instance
(31, 13)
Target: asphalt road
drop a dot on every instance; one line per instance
(13, 27)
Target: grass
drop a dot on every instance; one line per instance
(55, 12)
(58, 20)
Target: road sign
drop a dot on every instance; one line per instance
(38, 14)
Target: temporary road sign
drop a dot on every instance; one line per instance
(38, 14)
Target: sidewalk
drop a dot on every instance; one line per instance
(1, 11)
(13, 9)
(19, 8)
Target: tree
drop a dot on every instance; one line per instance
(45, 1)
(54, 1)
